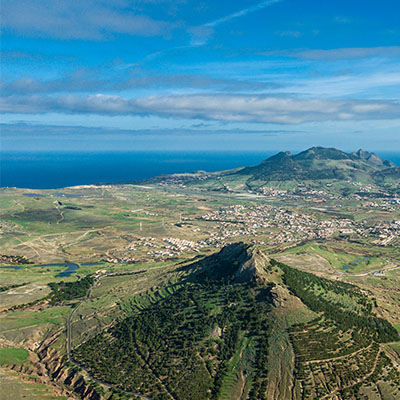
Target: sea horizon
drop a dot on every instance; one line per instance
(55, 170)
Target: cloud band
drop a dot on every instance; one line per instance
(219, 107)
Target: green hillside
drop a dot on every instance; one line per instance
(318, 163)
(316, 169)
(212, 334)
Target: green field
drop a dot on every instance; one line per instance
(13, 356)
(349, 259)
(230, 338)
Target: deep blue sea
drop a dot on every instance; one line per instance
(57, 170)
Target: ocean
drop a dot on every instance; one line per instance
(58, 170)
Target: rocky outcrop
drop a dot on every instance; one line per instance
(255, 268)
(238, 262)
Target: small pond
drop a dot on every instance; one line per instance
(356, 261)
(34, 195)
(70, 268)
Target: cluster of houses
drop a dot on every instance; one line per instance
(270, 224)
(282, 225)
(387, 233)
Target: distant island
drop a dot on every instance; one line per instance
(334, 169)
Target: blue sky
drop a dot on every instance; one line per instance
(199, 75)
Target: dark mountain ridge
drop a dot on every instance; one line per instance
(317, 168)
(324, 163)
(237, 262)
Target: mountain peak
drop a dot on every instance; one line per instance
(322, 153)
(321, 163)
(254, 268)
(282, 155)
(361, 153)
(367, 156)
(238, 261)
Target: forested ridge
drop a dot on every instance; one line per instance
(198, 336)
(313, 292)
(190, 339)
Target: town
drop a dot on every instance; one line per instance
(260, 223)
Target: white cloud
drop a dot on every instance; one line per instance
(87, 81)
(345, 53)
(227, 108)
(76, 19)
(349, 85)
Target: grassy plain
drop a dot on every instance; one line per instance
(87, 225)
